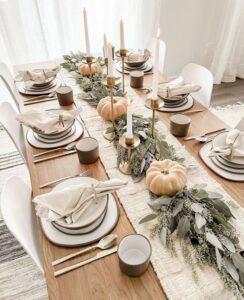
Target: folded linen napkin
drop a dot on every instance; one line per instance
(71, 202)
(177, 87)
(234, 145)
(38, 76)
(47, 121)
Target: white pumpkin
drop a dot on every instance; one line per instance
(166, 177)
(105, 111)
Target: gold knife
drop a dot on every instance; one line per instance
(99, 255)
(53, 156)
(206, 133)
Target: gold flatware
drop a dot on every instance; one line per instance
(68, 147)
(203, 135)
(40, 101)
(83, 174)
(192, 111)
(51, 95)
(85, 262)
(53, 156)
(105, 243)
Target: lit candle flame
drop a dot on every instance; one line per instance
(158, 33)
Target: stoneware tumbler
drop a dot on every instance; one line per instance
(65, 95)
(136, 79)
(87, 150)
(179, 125)
(134, 253)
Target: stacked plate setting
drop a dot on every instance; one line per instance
(66, 134)
(176, 101)
(39, 88)
(144, 66)
(233, 165)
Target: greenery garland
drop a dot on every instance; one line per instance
(93, 89)
(202, 218)
(149, 149)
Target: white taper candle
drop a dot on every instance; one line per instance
(110, 60)
(122, 38)
(156, 67)
(88, 51)
(105, 46)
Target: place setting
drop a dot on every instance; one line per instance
(38, 82)
(52, 129)
(225, 155)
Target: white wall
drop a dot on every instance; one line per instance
(187, 27)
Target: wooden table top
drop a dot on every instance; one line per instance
(103, 278)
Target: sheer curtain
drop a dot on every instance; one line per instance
(35, 30)
(227, 59)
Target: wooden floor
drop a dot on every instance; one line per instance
(228, 93)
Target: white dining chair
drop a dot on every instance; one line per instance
(193, 73)
(19, 215)
(13, 127)
(8, 80)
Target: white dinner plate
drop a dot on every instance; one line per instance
(84, 230)
(56, 136)
(67, 240)
(224, 167)
(22, 90)
(175, 104)
(79, 130)
(51, 140)
(186, 106)
(92, 213)
(229, 164)
(146, 68)
(204, 151)
(220, 141)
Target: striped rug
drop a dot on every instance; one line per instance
(20, 278)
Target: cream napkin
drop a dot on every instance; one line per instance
(70, 203)
(37, 76)
(234, 145)
(177, 87)
(47, 121)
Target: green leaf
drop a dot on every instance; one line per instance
(201, 194)
(172, 224)
(241, 274)
(110, 130)
(228, 244)
(163, 236)
(213, 240)
(142, 134)
(230, 268)
(197, 207)
(148, 218)
(183, 226)
(177, 208)
(238, 261)
(143, 162)
(218, 258)
(159, 202)
(200, 221)
(214, 195)
(223, 208)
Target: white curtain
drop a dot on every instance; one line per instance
(228, 55)
(36, 30)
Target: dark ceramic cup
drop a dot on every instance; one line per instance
(134, 253)
(65, 95)
(179, 125)
(136, 79)
(87, 150)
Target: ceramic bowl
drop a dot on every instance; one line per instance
(134, 253)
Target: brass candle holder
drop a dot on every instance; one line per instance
(110, 83)
(154, 104)
(129, 144)
(122, 53)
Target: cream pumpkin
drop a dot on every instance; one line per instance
(85, 70)
(105, 111)
(166, 177)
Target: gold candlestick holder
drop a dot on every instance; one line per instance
(129, 144)
(110, 83)
(122, 53)
(89, 60)
(106, 64)
(154, 104)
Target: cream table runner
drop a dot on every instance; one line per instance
(174, 274)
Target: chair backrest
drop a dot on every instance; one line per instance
(162, 52)
(193, 73)
(9, 82)
(13, 127)
(19, 216)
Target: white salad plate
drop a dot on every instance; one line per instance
(25, 91)
(79, 130)
(220, 141)
(189, 103)
(70, 240)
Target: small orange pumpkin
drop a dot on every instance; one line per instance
(166, 177)
(85, 70)
(105, 111)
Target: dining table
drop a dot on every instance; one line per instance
(103, 278)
